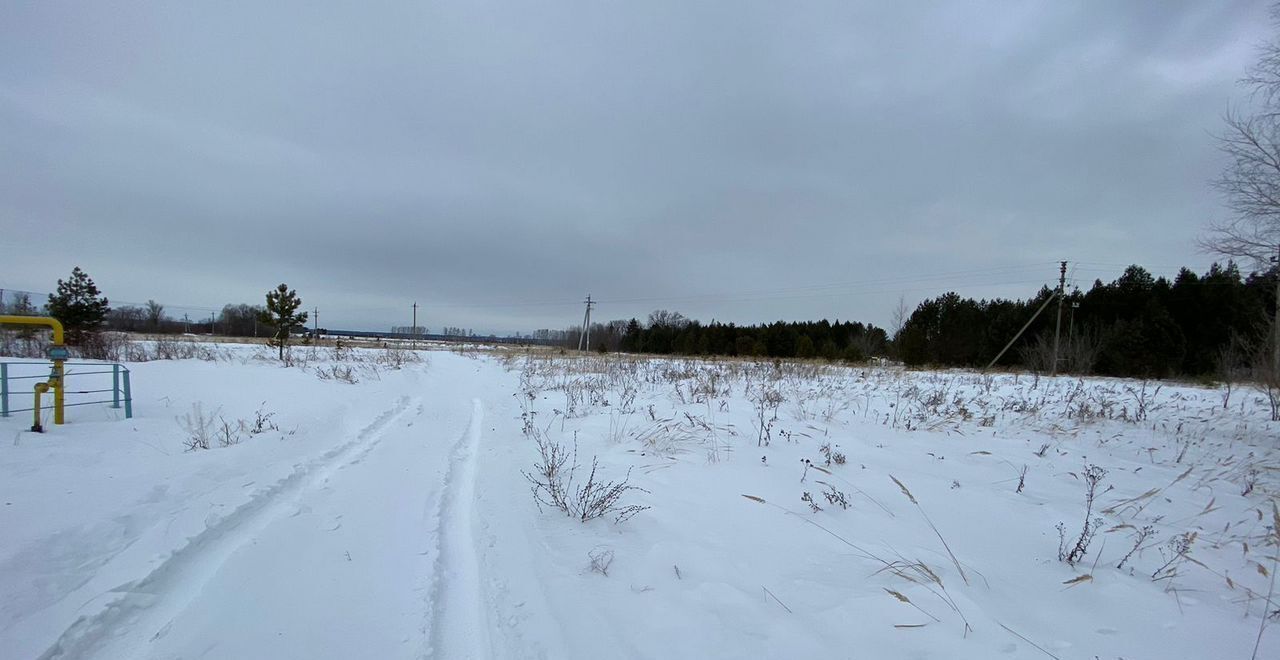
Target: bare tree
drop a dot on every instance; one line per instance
(1250, 182)
(155, 315)
(127, 318)
(240, 320)
(661, 317)
(1250, 185)
(1079, 352)
(1266, 377)
(900, 315)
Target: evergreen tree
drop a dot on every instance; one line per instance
(1138, 325)
(281, 314)
(78, 305)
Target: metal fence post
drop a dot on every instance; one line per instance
(4, 389)
(128, 397)
(115, 386)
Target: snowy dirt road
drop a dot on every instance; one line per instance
(364, 551)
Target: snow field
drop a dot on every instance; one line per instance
(390, 517)
(318, 539)
(777, 579)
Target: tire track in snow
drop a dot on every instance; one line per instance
(459, 621)
(146, 606)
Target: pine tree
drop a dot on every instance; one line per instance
(78, 305)
(281, 314)
(631, 339)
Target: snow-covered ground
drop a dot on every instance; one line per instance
(392, 516)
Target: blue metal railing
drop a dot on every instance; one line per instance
(121, 393)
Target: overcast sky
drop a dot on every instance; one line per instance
(498, 161)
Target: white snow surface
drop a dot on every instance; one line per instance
(392, 518)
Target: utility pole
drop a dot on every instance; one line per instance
(315, 324)
(413, 329)
(1062, 290)
(584, 339)
(210, 324)
(186, 323)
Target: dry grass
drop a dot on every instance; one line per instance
(684, 403)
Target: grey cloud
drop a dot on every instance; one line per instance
(473, 155)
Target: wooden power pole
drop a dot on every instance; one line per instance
(1062, 281)
(584, 338)
(1062, 292)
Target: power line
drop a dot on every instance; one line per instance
(827, 295)
(906, 279)
(997, 272)
(1147, 267)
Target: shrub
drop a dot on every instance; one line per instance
(198, 426)
(1179, 548)
(1093, 475)
(552, 485)
(109, 346)
(807, 498)
(229, 433)
(831, 455)
(338, 372)
(834, 496)
(262, 421)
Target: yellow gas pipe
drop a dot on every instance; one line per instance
(57, 353)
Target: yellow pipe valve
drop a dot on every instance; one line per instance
(41, 388)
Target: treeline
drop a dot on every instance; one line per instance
(235, 320)
(668, 333)
(1218, 324)
(1210, 325)
(1137, 325)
